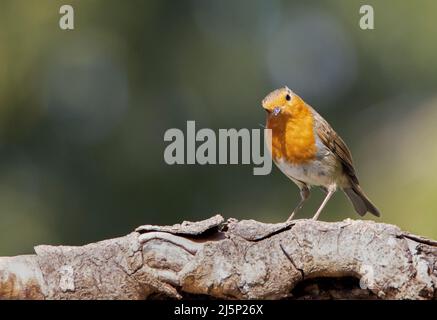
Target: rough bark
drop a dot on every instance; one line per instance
(214, 258)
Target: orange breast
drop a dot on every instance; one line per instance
(293, 135)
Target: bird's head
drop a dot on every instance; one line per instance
(281, 102)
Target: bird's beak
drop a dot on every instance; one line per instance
(267, 108)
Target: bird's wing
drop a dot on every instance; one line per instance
(336, 145)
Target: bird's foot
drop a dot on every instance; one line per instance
(291, 216)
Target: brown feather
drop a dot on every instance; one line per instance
(336, 145)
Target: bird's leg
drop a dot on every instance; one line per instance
(331, 191)
(304, 195)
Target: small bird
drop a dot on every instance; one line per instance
(309, 152)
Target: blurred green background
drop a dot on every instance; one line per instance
(83, 113)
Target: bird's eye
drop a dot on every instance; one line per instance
(288, 97)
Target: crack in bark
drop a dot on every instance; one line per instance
(292, 262)
(267, 236)
(419, 239)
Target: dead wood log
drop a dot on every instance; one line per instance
(214, 258)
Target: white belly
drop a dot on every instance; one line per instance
(317, 172)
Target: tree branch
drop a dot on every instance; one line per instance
(214, 258)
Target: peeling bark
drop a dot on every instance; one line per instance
(214, 258)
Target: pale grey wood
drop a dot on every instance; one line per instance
(231, 259)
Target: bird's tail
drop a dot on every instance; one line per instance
(361, 203)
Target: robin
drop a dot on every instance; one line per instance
(309, 152)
